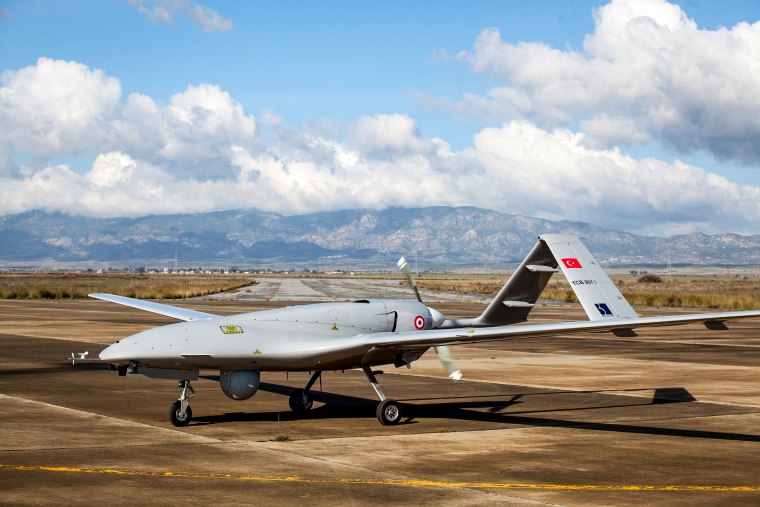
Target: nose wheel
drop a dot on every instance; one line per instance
(177, 416)
(180, 412)
(301, 400)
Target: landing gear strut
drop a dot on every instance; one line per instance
(180, 412)
(388, 411)
(300, 400)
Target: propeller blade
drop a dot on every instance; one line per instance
(443, 351)
(445, 357)
(404, 267)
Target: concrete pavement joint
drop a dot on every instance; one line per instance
(125, 422)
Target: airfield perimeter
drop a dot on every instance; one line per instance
(670, 417)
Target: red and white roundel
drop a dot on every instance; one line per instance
(419, 322)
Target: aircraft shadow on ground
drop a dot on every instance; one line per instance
(56, 368)
(490, 409)
(496, 409)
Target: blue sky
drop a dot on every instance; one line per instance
(303, 60)
(382, 84)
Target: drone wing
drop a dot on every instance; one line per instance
(621, 327)
(605, 306)
(161, 309)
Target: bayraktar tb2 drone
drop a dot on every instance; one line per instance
(369, 333)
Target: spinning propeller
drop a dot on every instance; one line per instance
(442, 351)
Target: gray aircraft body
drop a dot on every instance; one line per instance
(369, 333)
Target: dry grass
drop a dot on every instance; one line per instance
(687, 292)
(143, 286)
(467, 285)
(721, 293)
(716, 293)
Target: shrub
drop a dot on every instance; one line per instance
(649, 279)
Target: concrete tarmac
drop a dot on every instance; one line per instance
(315, 290)
(671, 417)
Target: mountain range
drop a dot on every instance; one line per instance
(439, 237)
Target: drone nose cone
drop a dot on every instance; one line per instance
(437, 316)
(113, 353)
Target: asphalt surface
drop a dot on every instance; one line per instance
(669, 418)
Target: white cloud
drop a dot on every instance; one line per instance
(55, 107)
(164, 11)
(111, 169)
(270, 118)
(208, 19)
(554, 175)
(647, 68)
(202, 152)
(389, 133)
(603, 131)
(58, 108)
(199, 126)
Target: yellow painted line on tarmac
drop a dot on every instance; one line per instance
(380, 482)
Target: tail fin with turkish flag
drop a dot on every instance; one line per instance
(594, 289)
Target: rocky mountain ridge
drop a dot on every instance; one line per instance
(441, 237)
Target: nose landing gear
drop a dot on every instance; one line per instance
(180, 412)
(301, 400)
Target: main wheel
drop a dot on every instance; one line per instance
(389, 412)
(176, 417)
(300, 401)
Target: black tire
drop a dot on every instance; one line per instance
(300, 401)
(176, 418)
(389, 412)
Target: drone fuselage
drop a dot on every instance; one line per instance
(323, 336)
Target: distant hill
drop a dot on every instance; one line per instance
(442, 237)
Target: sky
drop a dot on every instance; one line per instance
(640, 115)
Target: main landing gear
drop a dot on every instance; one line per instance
(388, 411)
(180, 412)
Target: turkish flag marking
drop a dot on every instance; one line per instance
(572, 263)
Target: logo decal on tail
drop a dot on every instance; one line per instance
(603, 309)
(572, 263)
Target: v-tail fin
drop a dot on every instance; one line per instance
(598, 295)
(553, 253)
(519, 294)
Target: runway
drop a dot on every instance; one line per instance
(669, 418)
(315, 290)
